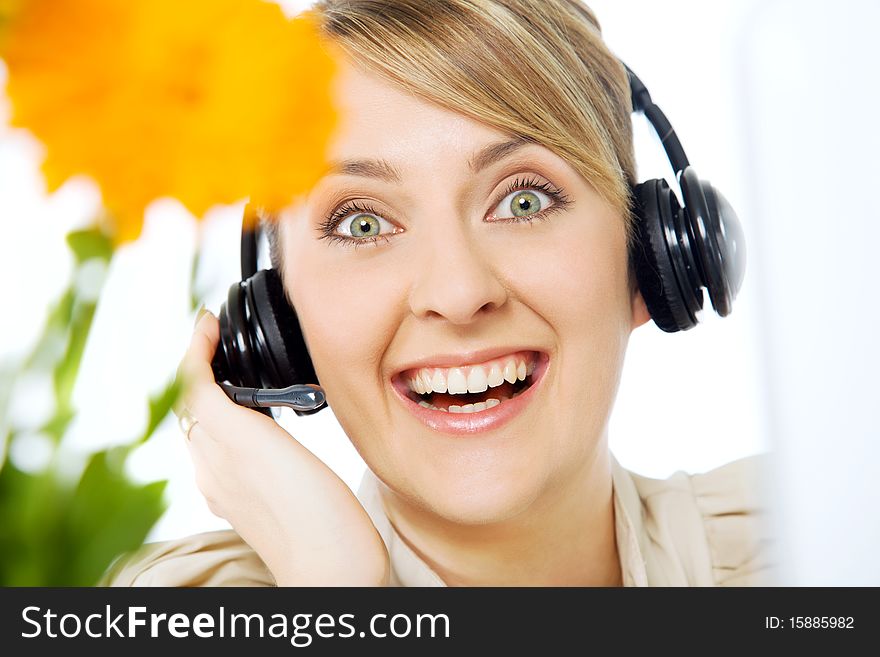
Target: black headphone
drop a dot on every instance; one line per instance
(676, 252)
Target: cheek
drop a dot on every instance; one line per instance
(348, 316)
(577, 282)
(575, 277)
(347, 321)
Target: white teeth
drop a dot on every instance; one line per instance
(476, 381)
(438, 383)
(456, 384)
(510, 371)
(467, 408)
(475, 378)
(495, 378)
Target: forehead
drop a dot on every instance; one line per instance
(380, 119)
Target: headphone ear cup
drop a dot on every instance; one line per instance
(283, 344)
(717, 237)
(261, 344)
(657, 212)
(235, 359)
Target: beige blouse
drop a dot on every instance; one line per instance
(688, 530)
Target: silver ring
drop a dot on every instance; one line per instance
(186, 422)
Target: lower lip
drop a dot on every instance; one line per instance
(481, 421)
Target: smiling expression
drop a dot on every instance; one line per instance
(465, 300)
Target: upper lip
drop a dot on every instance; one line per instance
(465, 358)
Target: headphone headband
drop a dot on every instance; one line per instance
(250, 233)
(641, 102)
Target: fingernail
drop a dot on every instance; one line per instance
(202, 311)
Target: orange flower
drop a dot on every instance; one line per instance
(206, 101)
(8, 8)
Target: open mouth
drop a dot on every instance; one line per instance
(473, 388)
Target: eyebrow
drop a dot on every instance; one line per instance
(386, 172)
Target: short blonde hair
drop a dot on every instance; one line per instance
(539, 71)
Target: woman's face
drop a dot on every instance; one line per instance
(460, 269)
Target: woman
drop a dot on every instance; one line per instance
(463, 285)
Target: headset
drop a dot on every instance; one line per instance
(676, 252)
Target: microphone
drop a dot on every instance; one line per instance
(304, 397)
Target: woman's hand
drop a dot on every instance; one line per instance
(294, 511)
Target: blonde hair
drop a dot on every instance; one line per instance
(539, 71)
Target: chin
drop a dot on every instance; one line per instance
(480, 499)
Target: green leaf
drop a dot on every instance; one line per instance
(56, 333)
(90, 243)
(160, 406)
(67, 369)
(58, 534)
(32, 509)
(195, 295)
(107, 516)
(58, 423)
(7, 382)
(61, 531)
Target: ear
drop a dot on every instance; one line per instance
(640, 314)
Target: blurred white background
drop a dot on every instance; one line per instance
(774, 103)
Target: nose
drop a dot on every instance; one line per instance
(456, 278)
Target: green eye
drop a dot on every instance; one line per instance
(364, 225)
(524, 203)
(528, 200)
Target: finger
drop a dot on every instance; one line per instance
(206, 476)
(187, 375)
(218, 415)
(196, 363)
(195, 372)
